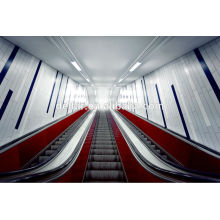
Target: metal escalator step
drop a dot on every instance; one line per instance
(104, 151)
(104, 166)
(49, 152)
(103, 142)
(65, 135)
(54, 147)
(104, 175)
(104, 158)
(42, 158)
(153, 146)
(103, 136)
(164, 156)
(112, 147)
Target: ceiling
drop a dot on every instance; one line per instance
(104, 60)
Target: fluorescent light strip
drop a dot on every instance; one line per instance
(135, 66)
(75, 64)
(120, 80)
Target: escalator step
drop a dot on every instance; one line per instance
(104, 151)
(103, 175)
(49, 152)
(158, 151)
(103, 142)
(164, 156)
(104, 158)
(42, 158)
(112, 147)
(104, 166)
(153, 146)
(54, 147)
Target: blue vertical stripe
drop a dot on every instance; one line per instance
(144, 99)
(28, 96)
(180, 112)
(65, 89)
(5, 103)
(57, 96)
(208, 73)
(145, 90)
(55, 80)
(8, 64)
(161, 108)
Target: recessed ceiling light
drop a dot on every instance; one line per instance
(135, 66)
(75, 64)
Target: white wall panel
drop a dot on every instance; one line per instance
(198, 102)
(18, 79)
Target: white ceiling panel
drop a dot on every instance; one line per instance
(105, 59)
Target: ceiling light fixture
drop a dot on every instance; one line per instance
(76, 65)
(135, 66)
(120, 80)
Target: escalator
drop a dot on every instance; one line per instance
(104, 162)
(56, 146)
(102, 158)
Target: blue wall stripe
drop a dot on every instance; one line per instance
(208, 73)
(28, 96)
(5, 103)
(146, 90)
(180, 112)
(55, 80)
(8, 64)
(144, 98)
(65, 89)
(161, 108)
(57, 96)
